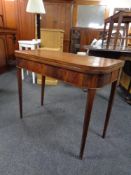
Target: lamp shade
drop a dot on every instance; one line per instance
(35, 6)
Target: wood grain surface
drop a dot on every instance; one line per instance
(71, 61)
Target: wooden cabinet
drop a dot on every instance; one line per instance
(15, 17)
(58, 16)
(10, 18)
(7, 46)
(11, 42)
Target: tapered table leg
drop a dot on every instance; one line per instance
(19, 78)
(89, 105)
(111, 99)
(42, 89)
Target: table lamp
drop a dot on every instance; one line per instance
(37, 7)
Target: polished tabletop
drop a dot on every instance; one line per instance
(87, 64)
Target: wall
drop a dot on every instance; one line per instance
(110, 5)
(15, 16)
(26, 21)
(87, 3)
(1, 12)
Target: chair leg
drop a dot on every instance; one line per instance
(33, 77)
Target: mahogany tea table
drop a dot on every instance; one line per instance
(81, 71)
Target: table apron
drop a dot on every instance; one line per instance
(79, 79)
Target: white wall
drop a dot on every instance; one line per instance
(116, 4)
